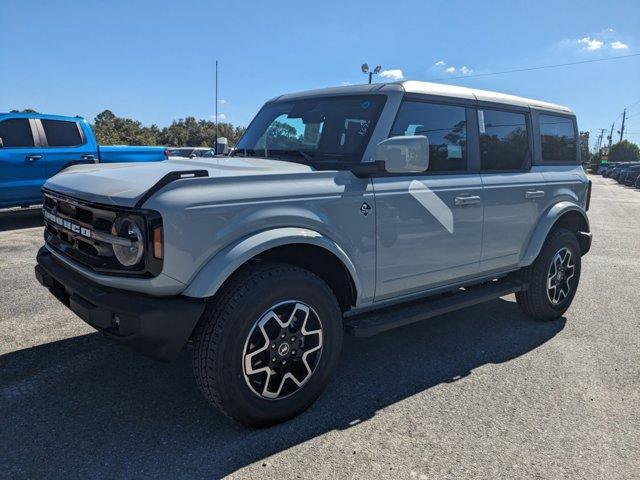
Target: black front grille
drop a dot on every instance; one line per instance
(74, 228)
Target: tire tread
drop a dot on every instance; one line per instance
(533, 301)
(208, 337)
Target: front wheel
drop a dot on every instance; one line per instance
(553, 277)
(267, 345)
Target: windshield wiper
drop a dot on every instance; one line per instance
(250, 152)
(306, 156)
(294, 153)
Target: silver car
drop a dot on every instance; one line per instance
(347, 209)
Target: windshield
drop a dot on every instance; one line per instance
(325, 128)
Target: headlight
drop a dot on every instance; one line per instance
(126, 227)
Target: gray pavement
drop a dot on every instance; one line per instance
(480, 393)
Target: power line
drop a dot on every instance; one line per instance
(528, 69)
(634, 104)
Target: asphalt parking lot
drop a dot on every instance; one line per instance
(483, 392)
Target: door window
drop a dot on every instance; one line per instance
(558, 138)
(444, 125)
(61, 133)
(504, 140)
(16, 132)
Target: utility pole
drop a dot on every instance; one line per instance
(624, 115)
(600, 138)
(611, 135)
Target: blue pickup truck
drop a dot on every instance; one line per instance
(34, 147)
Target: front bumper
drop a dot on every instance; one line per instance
(157, 326)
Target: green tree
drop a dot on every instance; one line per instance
(197, 133)
(185, 132)
(624, 151)
(113, 130)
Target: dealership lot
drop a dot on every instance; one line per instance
(483, 392)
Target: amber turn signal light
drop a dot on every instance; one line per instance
(157, 243)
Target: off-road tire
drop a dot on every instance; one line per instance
(222, 334)
(535, 301)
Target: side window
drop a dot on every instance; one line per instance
(61, 133)
(504, 140)
(16, 132)
(558, 138)
(444, 125)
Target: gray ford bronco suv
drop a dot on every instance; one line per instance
(344, 210)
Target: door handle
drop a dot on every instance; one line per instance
(33, 158)
(466, 200)
(534, 194)
(87, 156)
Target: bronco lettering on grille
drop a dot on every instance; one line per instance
(64, 223)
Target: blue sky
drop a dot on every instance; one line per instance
(154, 60)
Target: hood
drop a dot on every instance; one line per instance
(123, 184)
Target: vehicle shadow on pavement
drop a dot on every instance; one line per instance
(85, 407)
(19, 219)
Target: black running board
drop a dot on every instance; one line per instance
(372, 323)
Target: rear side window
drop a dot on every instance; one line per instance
(444, 125)
(504, 140)
(558, 137)
(61, 133)
(16, 132)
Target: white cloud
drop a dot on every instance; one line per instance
(618, 45)
(439, 63)
(395, 74)
(222, 101)
(451, 70)
(465, 70)
(346, 84)
(221, 116)
(590, 44)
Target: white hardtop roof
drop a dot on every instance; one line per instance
(437, 89)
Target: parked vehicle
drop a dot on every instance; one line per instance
(622, 170)
(190, 152)
(347, 209)
(631, 175)
(222, 148)
(638, 182)
(34, 147)
(615, 171)
(606, 171)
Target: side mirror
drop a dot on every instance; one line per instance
(408, 154)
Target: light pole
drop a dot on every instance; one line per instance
(215, 140)
(365, 70)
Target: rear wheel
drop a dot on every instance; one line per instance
(267, 344)
(553, 277)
